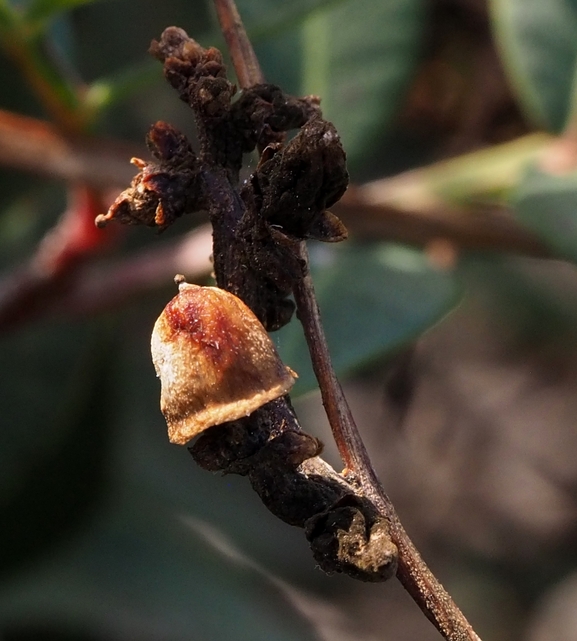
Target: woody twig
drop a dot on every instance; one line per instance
(259, 231)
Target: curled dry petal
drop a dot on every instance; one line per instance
(163, 190)
(215, 361)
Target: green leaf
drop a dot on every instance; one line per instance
(9, 20)
(274, 34)
(359, 57)
(53, 441)
(373, 300)
(145, 573)
(538, 48)
(40, 11)
(119, 86)
(548, 206)
(273, 28)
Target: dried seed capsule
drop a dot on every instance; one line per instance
(215, 361)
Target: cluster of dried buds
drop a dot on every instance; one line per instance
(217, 365)
(284, 201)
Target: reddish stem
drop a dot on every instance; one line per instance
(244, 59)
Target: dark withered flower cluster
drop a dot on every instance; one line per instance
(285, 200)
(222, 381)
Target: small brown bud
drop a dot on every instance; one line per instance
(215, 361)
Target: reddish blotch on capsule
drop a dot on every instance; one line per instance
(215, 361)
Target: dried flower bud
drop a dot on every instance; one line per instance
(215, 361)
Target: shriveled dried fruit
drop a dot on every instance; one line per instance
(215, 361)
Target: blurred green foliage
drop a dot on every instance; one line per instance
(547, 204)
(539, 53)
(392, 295)
(101, 520)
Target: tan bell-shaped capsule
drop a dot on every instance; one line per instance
(215, 361)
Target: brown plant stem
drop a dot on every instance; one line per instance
(34, 289)
(473, 229)
(414, 574)
(101, 286)
(347, 437)
(27, 292)
(243, 57)
(40, 147)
